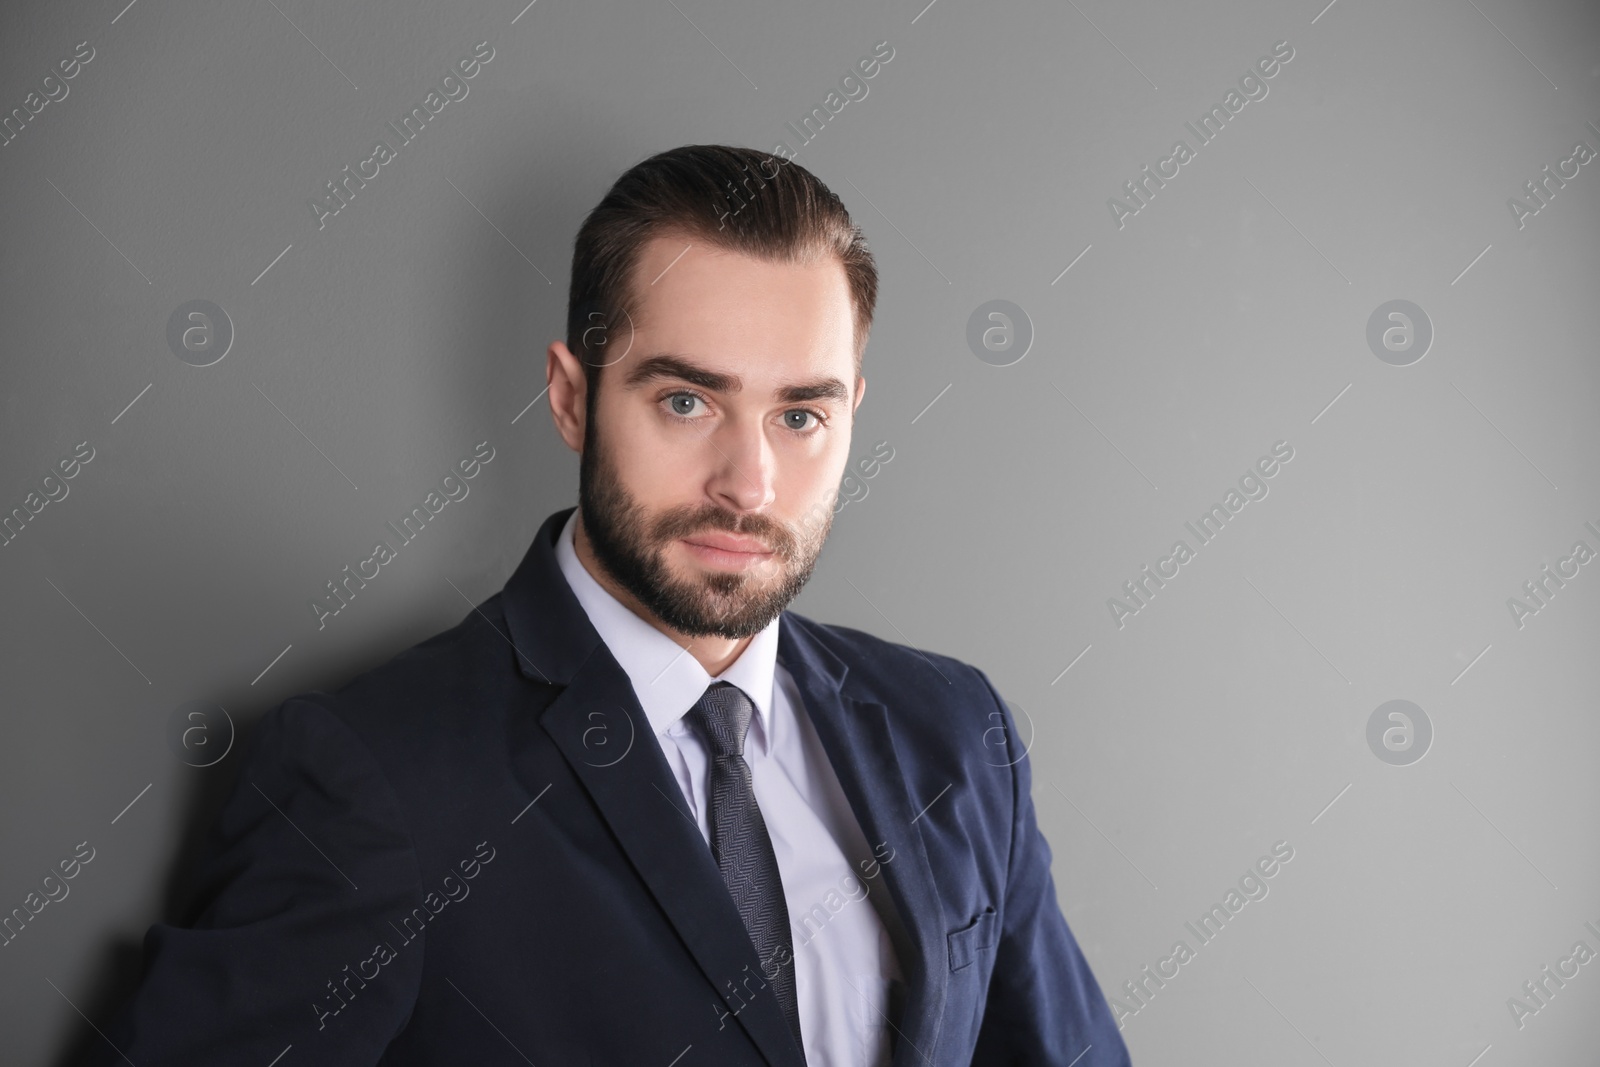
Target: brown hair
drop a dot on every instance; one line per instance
(736, 199)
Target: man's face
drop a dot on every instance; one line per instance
(727, 420)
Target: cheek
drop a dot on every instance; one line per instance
(641, 454)
(656, 466)
(813, 479)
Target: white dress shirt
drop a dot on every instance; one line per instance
(844, 957)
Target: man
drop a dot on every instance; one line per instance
(630, 810)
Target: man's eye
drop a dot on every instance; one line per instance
(678, 399)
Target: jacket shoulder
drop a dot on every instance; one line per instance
(434, 690)
(892, 671)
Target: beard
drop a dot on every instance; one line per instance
(631, 545)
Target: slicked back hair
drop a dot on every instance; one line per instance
(734, 199)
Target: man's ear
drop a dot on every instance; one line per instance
(569, 393)
(861, 392)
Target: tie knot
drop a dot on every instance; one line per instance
(722, 715)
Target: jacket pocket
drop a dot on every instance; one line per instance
(968, 941)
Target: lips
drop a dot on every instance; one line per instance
(730, 543)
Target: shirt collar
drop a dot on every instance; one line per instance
(666, 678)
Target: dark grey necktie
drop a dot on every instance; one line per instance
(740, 843)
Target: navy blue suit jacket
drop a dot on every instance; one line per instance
(477, 854)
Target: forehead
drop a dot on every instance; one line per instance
(739, 311)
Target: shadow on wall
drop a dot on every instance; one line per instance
(120, 962)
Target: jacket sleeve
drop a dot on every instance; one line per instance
(1044, 1008)
(305, 877)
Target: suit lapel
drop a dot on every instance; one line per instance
(602, 731)
(855, 734)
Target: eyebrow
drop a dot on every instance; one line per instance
(669, 365)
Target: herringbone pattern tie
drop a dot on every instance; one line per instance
(740, 842)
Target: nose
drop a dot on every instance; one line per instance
(743, 465)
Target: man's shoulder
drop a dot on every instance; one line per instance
(437, 689)
(948, 719)
(899, 674)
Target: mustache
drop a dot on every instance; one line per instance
(685, 524)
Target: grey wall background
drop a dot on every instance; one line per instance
(1167, 355)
